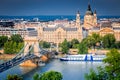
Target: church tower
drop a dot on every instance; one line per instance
(88, 18)
(79, 28)
(78, 19)
(95, 18)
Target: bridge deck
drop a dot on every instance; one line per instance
(15, 61)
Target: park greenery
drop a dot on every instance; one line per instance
(82, 48)
(3, 39)
(11, 47)
(111, 71)
(65, 46)
(14, 77)
(50, 75)
(13, 44)
(73, 43)
(16, 38)
(94, 41)
(44, 44)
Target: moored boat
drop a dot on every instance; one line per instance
(87, 57)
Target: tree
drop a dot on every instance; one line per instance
(12, 47)
(65, 46)
(16, 38)
(19, 46)
(44, 44)
(117, 44)
(82, 48)
(14, 77)
(111, 71)
(93, 75)
(108, 41)
(89, 41)
(8, 47)
(92, 40)
(74, 43)
(113, 64)
(36, 76)
(3, 39)
(50, 75)
(97, 38)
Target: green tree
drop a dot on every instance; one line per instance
(82, 48)
(11, 47)
(117, 44)
(93, 75)
(50, 75)
(19, 46)
(89, 41)
(108, 41)
(14, 47)
(97, 38)
(3, 39)
(111, 71)
(14, 77)
(92, 40)
(65, 46)
(113, 64)
(74, 43)
(8, 47)
(44, 44)
(36, 76)
(16, 38)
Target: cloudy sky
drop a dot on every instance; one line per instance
(57, 7)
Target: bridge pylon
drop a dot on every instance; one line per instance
(32, 41)
(32, 47)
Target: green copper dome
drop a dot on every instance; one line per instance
(89, 11)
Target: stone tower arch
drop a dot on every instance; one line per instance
(32, 41)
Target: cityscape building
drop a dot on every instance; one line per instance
(58, 30)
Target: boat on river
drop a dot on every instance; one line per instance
(86, 57)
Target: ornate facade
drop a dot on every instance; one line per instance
(107, 28)
(90, 18)
(60, 32)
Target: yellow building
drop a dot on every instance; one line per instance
(107, 28)
(60, 32)
(90, 18)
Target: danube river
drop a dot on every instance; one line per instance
(71, 70)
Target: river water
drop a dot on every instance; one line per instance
(71, 70)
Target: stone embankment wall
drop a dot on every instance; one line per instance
(93, 51)
(7, 56)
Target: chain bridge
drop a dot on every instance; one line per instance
(30, 51)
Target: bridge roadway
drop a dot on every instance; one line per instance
(15, 61)
(21, 58)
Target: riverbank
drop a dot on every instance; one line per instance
(7, 56)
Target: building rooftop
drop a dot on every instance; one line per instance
(60, 25)
(106, 24)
